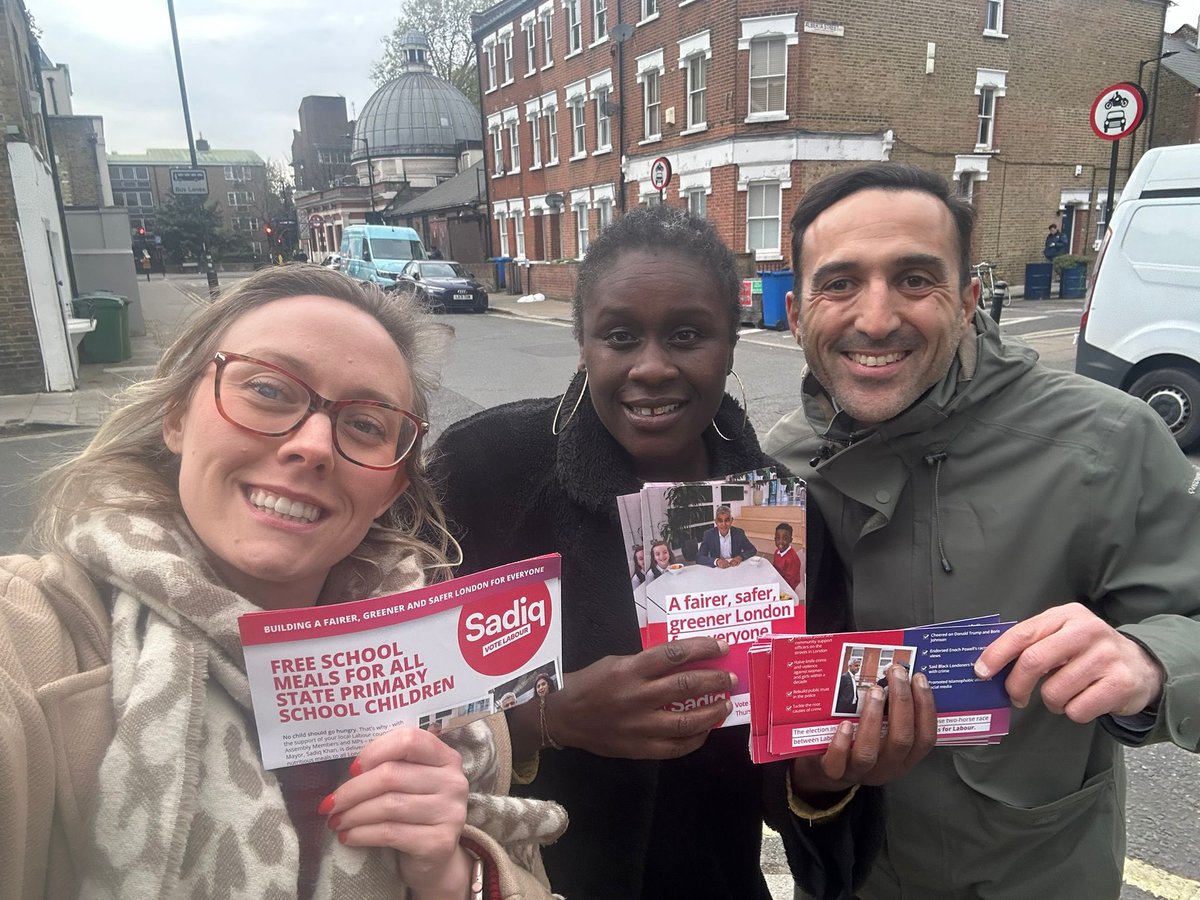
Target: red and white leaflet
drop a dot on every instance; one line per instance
(326, 680)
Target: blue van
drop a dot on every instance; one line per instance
(377, 253)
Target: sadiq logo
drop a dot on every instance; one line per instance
(501, 633)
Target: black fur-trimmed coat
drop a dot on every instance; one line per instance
(690, 827)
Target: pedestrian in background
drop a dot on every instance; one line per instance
(963, 478)
(661, 804)
(1055, 244)
(129, 764)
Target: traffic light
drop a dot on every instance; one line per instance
(268, 229)
(141, 232)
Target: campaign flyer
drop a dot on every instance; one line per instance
(815, 682)
(326, 680)
(722, 559)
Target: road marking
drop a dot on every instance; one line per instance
(52, 431)
(1159, 882)
(746, 331)
(1017, 321)
(1047, 335)
(534, 319)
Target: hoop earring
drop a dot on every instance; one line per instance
(745, 411)
(555, 428)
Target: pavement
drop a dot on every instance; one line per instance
(167, 304)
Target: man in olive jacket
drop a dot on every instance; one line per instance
(961, 477)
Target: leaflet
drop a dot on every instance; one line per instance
(326, 680)
(689, 579)
(802, 687)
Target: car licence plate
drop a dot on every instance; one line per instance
(462, 297)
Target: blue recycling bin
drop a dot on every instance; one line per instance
(775, 286)
(1037, 280)
(1072, 282)
(501, 263)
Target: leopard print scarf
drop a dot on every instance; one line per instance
(184, 808)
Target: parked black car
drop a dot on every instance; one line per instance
(442, 285)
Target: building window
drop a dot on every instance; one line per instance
(502, 228)
(604, 211)
(653, 105)
(994, 17)
(768, 74)
(535, 131)
(238, 173)
(547, 35)
(987, 118)
(519, 230)
(552, 133)
(603, 122)
(135, 201)
(530, 29)
(239, 198)
(649, 9)
(581, 228)
(574, 27)
(506, 44)
(697, 85)
(599, 20)
(578, 132)
(129, 176)
(498, 151)
(514, 146)
(245, 223)
(491, 66)
(697, 202)
(762, 217)
(654, 199)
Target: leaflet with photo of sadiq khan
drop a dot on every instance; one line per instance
(326, 680)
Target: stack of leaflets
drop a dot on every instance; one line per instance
(722, 559)
(326, 680)
(802, 687)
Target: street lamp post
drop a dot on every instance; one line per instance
(370, 168)
(1153, 103)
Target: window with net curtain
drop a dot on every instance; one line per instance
(762, 216)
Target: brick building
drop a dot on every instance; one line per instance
(1177, 119)
(321, 145)
(753, 101)
(237, 183)
(34, 299)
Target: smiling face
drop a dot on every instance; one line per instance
(278, 513)
(783, 539)
(881, 311)
(639, 559)
(723, 521)
(542, 686)
(657, 344)
(662, 555)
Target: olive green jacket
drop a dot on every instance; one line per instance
(1012, 488)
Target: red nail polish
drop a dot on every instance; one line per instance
(355, 768)
(335, 822)
(342, 837)
(326, 806)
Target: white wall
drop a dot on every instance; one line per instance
(45, 261)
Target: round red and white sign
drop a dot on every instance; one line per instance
(660, 173)
(316, 220)
(501, 633)
(1118, 110)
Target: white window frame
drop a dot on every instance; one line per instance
(995, 83)
(518, 218)
(530, 27)
(506, 43)
(513, 126)
(773, 79)
(546, 15)
(993, 18)
(574, 27)
(697, 202)
(535, 133)
(985, 134)
(604, 213)
(599, 21)
(497, 146)
(489, 51)
(651, 106)
(694, 54)
(697, 70)
(649, 11)
(502, 229)
(578, 126)
(766, 190)
(551, 113)
(238, 173)
(603, 120)
(582, 232)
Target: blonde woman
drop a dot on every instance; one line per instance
(273, 461)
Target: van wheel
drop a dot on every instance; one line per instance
(1175, 395)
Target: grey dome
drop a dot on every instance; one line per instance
(417, 114)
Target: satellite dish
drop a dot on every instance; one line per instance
(554, 201)
(610, 109)
(621, 32)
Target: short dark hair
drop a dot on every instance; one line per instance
(887, 176)
(784, 526)
(660, 229)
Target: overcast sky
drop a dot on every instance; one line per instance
(247, 64)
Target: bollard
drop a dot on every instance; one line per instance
(999, 294)
(214, 287)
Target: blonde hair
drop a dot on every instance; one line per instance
(129, 449)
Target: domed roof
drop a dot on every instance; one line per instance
(417, 114)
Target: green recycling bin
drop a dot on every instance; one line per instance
(109, 342)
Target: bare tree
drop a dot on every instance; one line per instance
(446, 24)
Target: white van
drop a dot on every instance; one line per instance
(378, 253)
(1140, 329)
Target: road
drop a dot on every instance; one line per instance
(494, 359)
